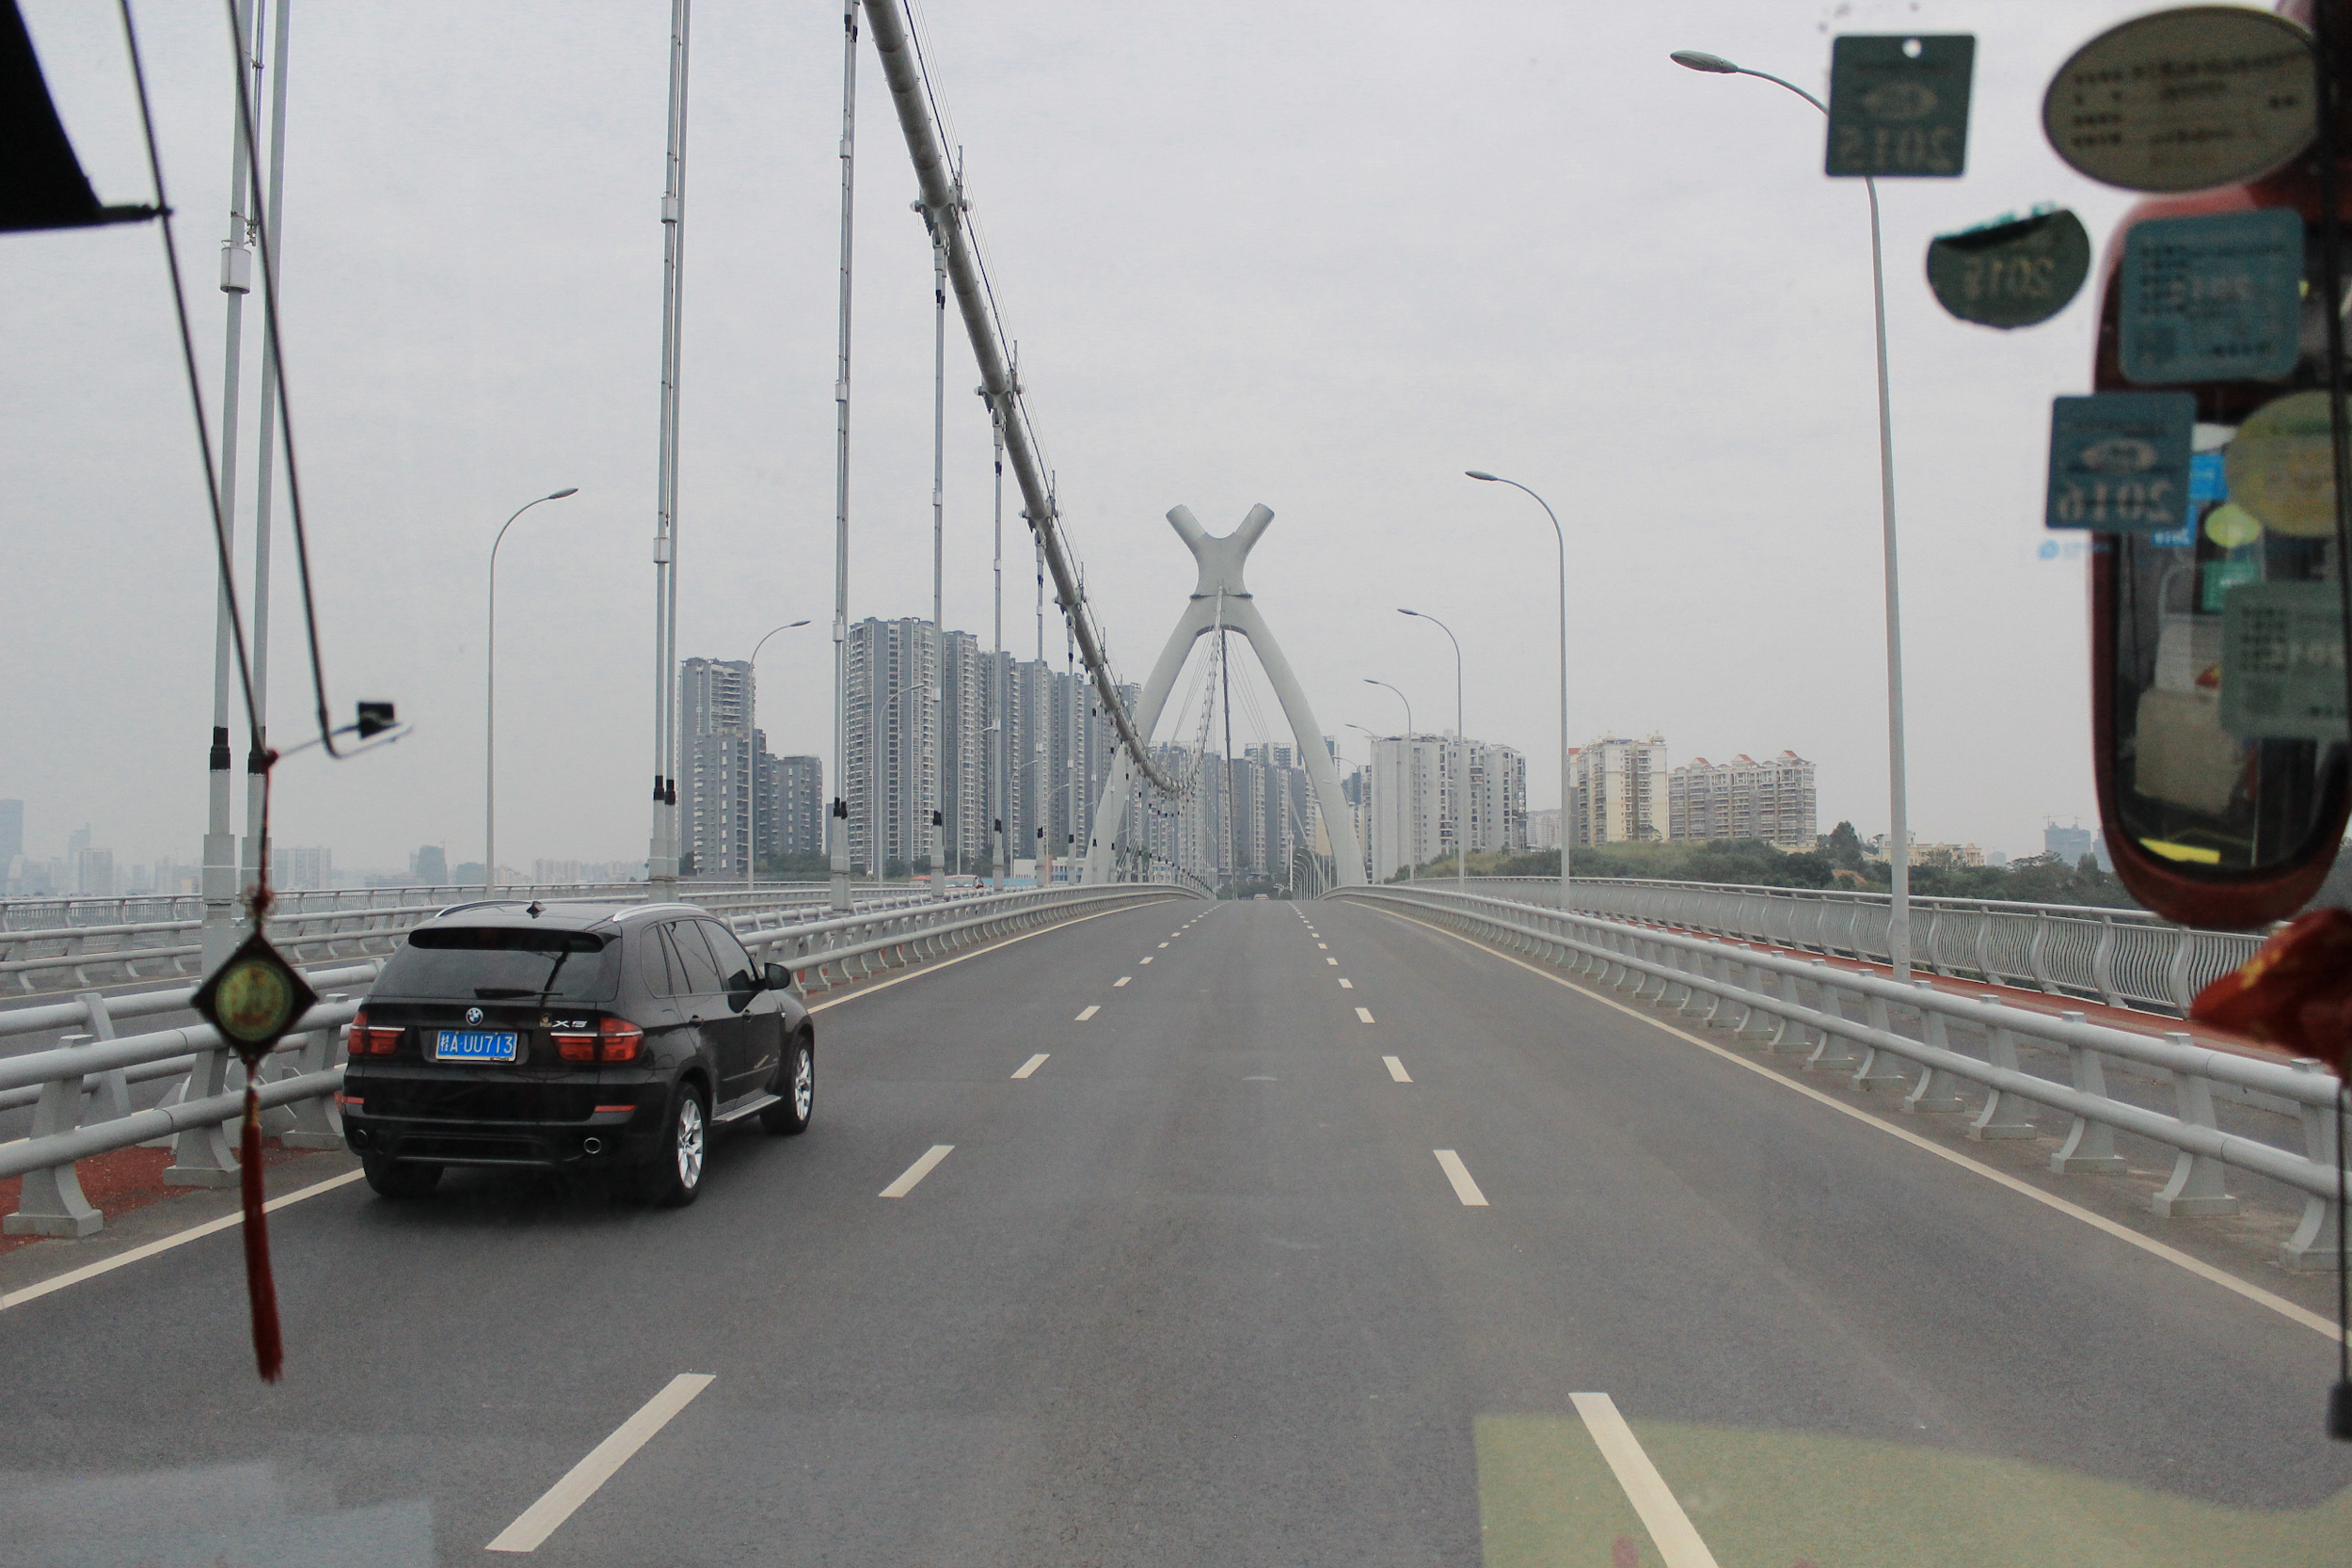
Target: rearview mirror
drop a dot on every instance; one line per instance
(779, 977)
(2218, 679)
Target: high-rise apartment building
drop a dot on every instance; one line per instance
(12, 831)
(1620, 789)
(716, 706)
(1426, 787)
(1744, 798)
(293, 866)
(791, 792)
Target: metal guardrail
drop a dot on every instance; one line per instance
(80, 1090)
(1783, 1004)
(2124, 957)
(312, 926)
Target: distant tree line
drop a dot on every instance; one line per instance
(1836, 861)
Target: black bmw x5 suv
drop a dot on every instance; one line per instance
(571, 1036)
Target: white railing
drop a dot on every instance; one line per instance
(140, 938)
(1845, 1020)
(2124, 957)
(80, 1090)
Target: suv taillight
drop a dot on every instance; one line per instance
(367, 1041)
(619, 1041)
(612, 1040)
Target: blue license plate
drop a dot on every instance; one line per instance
(474, 1045)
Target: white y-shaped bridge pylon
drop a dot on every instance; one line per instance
(1221, 598)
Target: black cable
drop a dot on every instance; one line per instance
(187, 356)
(274, 348)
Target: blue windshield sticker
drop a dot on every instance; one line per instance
(2212, 299)
(2120, 462)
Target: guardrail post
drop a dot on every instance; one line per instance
(1870, 1075)
(2001, 1118)
(2036, 953)
(2102, 964)
(2318, 1237)
(1833, 1005)
(51, 1203)
(203, 1156)
(315, 1123)
(1937, 1089)
(2176, 972)
(2089, 1146)
(1755, 1025)
(110, 1093)
(2199, 1187)
(1788, 1034)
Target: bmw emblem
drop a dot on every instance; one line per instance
(473, 1015)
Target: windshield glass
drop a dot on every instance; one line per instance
(488, 964)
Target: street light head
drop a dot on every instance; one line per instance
(561, 494)
(1475, 474)
(793, 623)
(1699, 60)
(1403, 611)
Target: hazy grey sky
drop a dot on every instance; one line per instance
(1321, 256)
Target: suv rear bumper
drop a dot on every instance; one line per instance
(610, 1137)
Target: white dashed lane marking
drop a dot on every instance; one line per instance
(1121, 980)
(918, 1171)
(1396, 1069)
(1089, 1013)
(1458, 1173)
(1039, 1060)
(1669, 1527)
(1331, 961)
(557, 1504)
(1364, 1014)
(1346, 984)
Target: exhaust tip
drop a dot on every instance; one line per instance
(591, 1145)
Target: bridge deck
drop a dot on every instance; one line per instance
(1218, 1282)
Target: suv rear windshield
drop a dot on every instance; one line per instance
(497, 963)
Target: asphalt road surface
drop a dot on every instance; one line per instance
(1245, 1234)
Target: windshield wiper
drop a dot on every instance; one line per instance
(500, 993)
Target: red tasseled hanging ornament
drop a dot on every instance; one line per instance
(269, 1351)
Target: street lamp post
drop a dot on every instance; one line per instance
(1461, 744)
(1567, 791)
(490, 707)
(1400, 697)
(751, 823)
(1898, 836)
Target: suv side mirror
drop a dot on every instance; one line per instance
(779, 977)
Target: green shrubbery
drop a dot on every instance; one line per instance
(1837, 862)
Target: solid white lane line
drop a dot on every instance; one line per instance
(1396, 1069)
(2196, 1266)
(1033, 1064)
(1644, 1488)
(1458, 1173)
(1364, 1014)
(107, 1265)
(1089, 1013)
(541, 1519)
(1346, 984)
(918, 1171)
(1121, 981)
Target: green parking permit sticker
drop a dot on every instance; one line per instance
(2212, 298)
(2222, 576)
(2011, 272)
(2282, 662)
(1898, 104)
(2120, 462)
